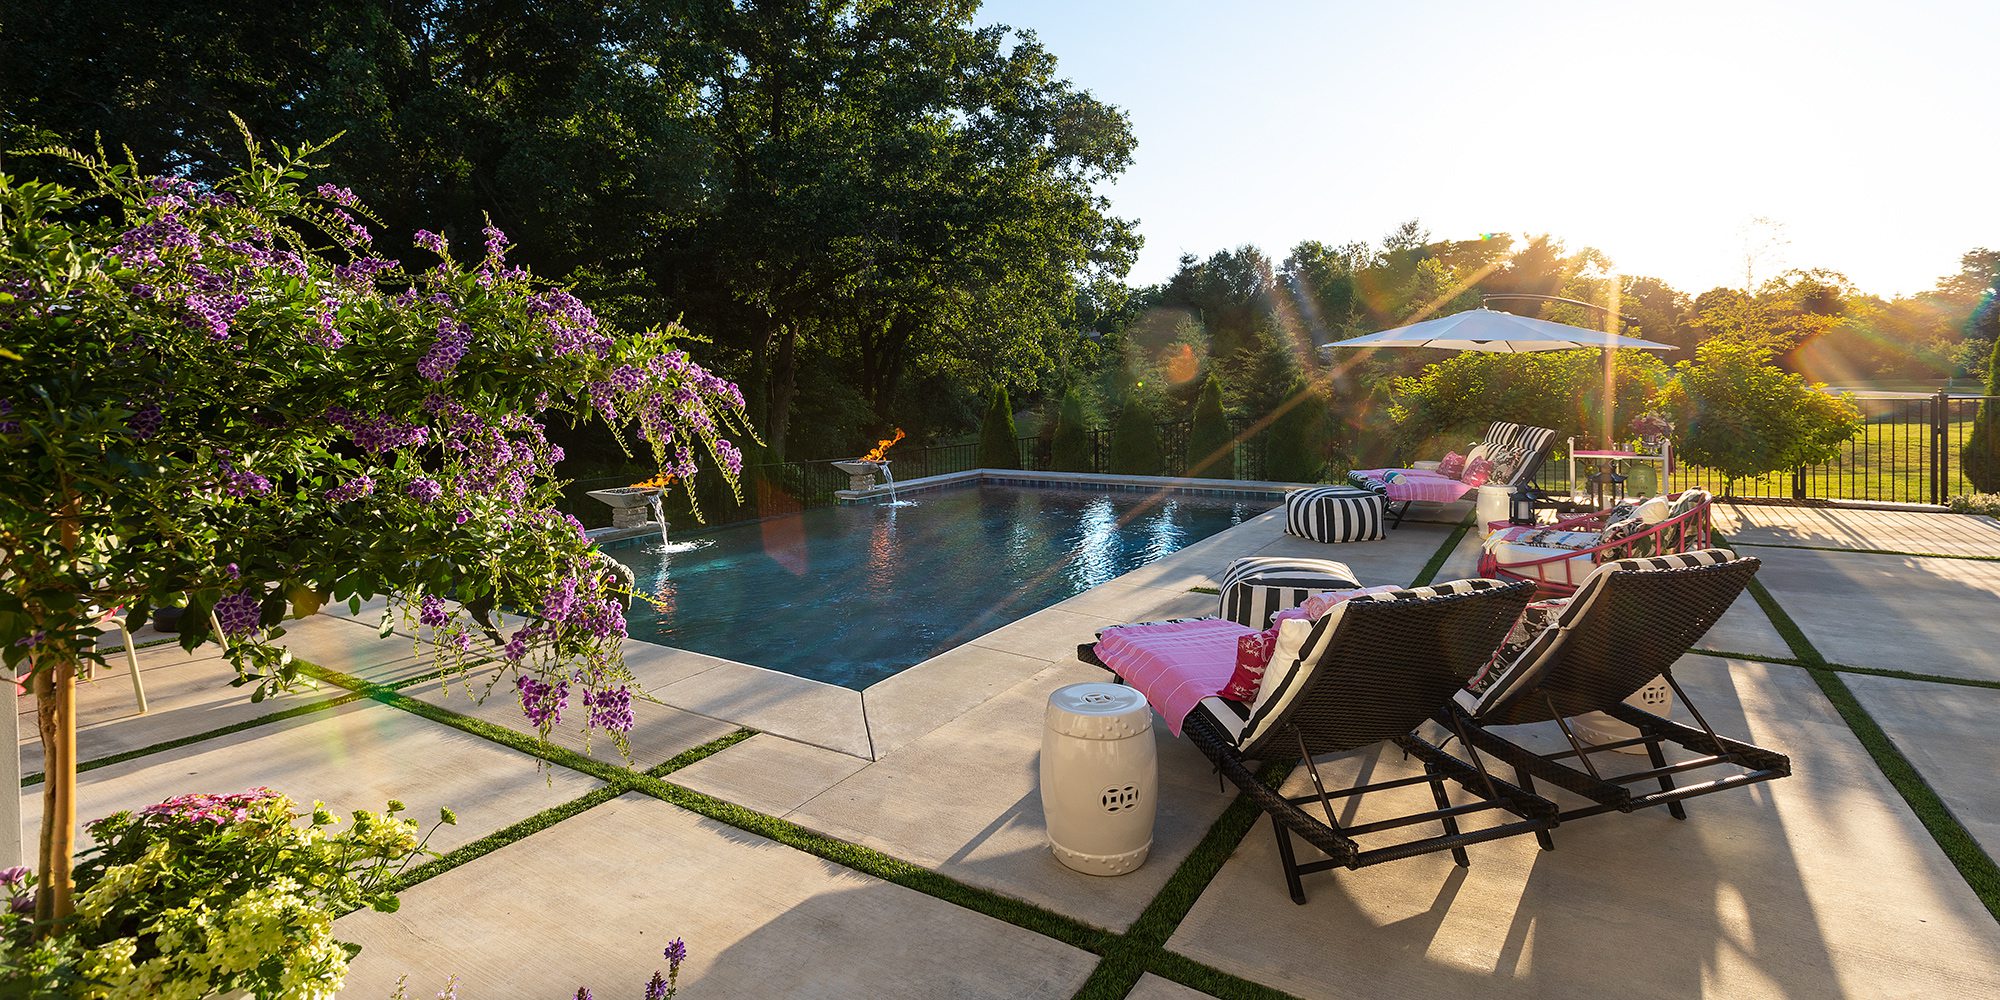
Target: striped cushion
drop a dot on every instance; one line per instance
(1529, 666)
(1302, 645)
(1335, 514)
(1256, 587)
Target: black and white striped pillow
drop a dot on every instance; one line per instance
(1256, 587)
(1528, 667)
(1335, 514)
(1292, 666)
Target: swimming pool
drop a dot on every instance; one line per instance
(851, 595)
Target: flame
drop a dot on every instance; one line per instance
(659, 481)
(882, 447)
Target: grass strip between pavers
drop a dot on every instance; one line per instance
(1142, 949)
(1204, 590)
(1959, 846)
(1443, 554)
(175, 744)
(1867, 552)
(1844, 668)
(1133, 952)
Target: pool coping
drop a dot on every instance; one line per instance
(1261, 489)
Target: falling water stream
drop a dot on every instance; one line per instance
(660, 515)
(890, 479)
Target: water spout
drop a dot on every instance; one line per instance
(660, 513)
(889, 478)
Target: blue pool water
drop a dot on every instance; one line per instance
(851, 595)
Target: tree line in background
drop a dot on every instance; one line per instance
(881, 215)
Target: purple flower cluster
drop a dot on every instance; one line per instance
(431, 241)
(378, 433)
(338, 195)
(541, 701)
(361, 271)
(431, 611)
(145, 421)
(731, 457)
(326, 335)
(610, 708)
(445, 352)
(8, 425)
(213, 312)
(238, 614)
(354, 489)
(571, 326)
(205, 807)
(239, 482)
(424, 489)
(496, 242)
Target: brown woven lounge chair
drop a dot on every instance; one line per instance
(1374, 669)
(1627, 625)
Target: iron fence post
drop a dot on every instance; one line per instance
(1940, 443)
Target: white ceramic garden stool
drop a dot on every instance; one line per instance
(1100, 777)
(1656, 697)
(1494, 503)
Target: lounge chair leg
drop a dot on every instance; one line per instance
(1659, 759)
(1527, 783)
(1292, 880)
(1450, 824)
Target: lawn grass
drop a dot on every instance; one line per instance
(1888, 461)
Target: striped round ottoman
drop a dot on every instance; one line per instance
(1256, 587)
(1335, 514)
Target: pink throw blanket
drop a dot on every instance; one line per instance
(1421, 485)
(1174, 664)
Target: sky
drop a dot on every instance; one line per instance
(1658, 133)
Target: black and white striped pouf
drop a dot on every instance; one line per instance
(1335, 514)
(1256, 587)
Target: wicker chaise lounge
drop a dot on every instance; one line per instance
(1627, 625)
(1371, 671)
(1531, 446)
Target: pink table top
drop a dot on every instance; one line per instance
(1580, 453)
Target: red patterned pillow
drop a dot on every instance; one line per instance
(1253, 655)
(1453, 465)
(1476, 472)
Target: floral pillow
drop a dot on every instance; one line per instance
(1507, 461)
(1453, 465)
(1477, 472)
(1253, 651)
(1538, 618)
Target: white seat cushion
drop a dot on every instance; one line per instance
(1570, 570)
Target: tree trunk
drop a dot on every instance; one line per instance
(784, 384)
(55, 716)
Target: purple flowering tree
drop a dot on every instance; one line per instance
(227, 398)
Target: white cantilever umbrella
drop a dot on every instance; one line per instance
(1490, 330)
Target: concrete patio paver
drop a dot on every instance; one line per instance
(1817, 885)
(963, 800)
(1396, 559)
(916, 701)
(1847, 528)
(1152, 987)
(1896, 612)
(770, 774)
(354, 756)
(760, 920)
(768, 701)
(186, 693)
(658, 734)
(1946, 731)
(355, 648)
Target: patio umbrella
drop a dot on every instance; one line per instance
(1485, 329)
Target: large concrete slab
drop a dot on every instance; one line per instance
(355, 756)
(916, 701)
(1885, 530)
(1396, 559)
(760, 920)
(186, 694)
(1746, 629)
(766, 700)
(1822, 884)
(964, 801)
(1933, 616)
(357, 649)
(658, 734)
(1051, 634)
(1946, 730)
(1152, 987)
(769, 774)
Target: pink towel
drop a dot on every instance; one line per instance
(1174, 664)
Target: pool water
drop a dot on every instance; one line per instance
(851, 595)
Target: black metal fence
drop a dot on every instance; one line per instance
(1908, 450)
